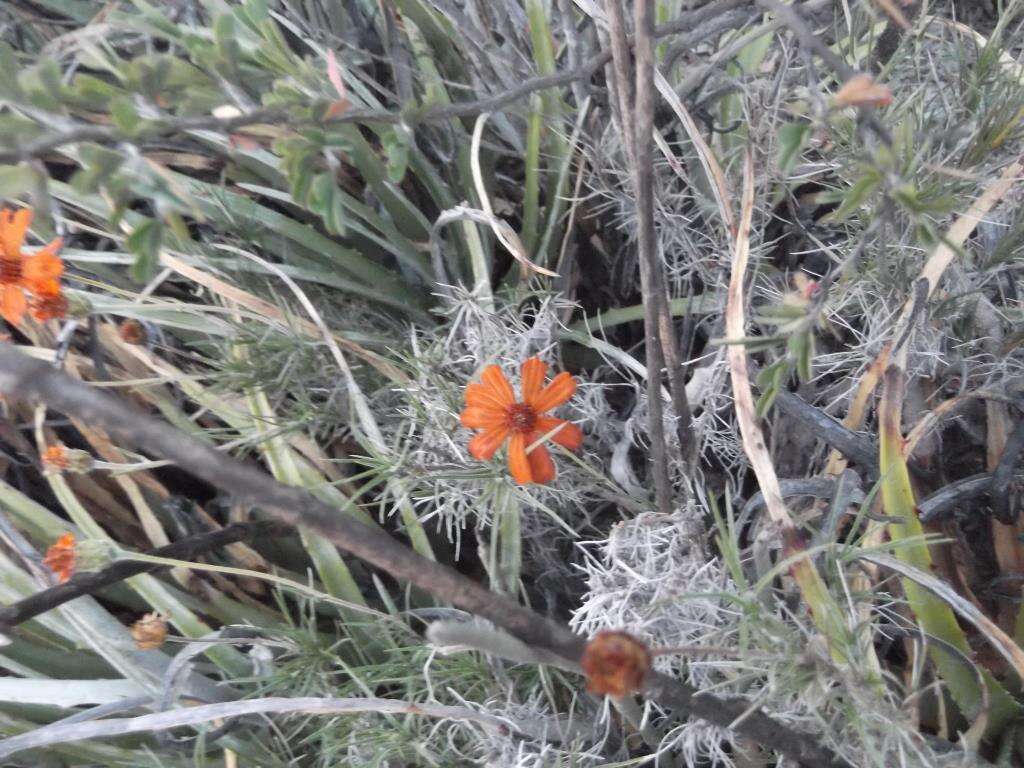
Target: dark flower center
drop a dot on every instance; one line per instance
(521, 417)
(10, 271)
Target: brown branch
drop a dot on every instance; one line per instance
(22, 378)
(90, 583)
(637, 128)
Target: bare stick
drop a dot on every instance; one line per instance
(168, 125)
(90, 583)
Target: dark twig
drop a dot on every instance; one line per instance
(1003, 497)
(852, 445)
(643, 183)
(22, 378)
(944, 501)
(90, 583)
(796, 23)
(167, 125)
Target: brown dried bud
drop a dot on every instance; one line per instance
(132, 331)
(150, 631)
(615, 663)
(58, 458)
(862, 91)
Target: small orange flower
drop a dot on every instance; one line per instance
(55, 458)
(39, 273)
(61, 558)
(150, 631)
(491, 407)
(615, 663)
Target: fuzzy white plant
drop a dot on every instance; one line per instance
(654, 578)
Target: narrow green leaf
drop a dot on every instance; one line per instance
(144, 242)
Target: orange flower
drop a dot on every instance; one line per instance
(491, 406)
(61, 558)
(48, 303)
(39, 273)
(615, 663)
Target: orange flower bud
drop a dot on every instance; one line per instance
(615, 663)
(132, 332)
(61, 558)
(862, 91)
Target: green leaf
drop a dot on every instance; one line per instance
(124, 115)
(327, 203)
(792, 138)
(16, 180)
(396, 149)
(42, 84)
(98, 165)
(856, 196)
(9, 86)
(144, 242)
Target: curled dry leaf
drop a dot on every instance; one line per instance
(615, 663)
(862, 91)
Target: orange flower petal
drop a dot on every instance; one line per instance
(13, 303)
(483, 396)
(13, 225)
(561, 388)
(518, 461)
(541, 466)
(483, 446)
(476, 417)
(570, 436)
(493, 378)
(534, 370)
(45, 264)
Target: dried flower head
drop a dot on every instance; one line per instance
(615, 663)
(62, 557)
(862, 91)
(132, 331)
(57, 459)
(491, 407)
(150, 631)
(39, 273)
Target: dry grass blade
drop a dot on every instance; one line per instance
(820, 602)
(1002, 642)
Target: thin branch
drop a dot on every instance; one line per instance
(944, 501)
(90, 583)
(852, 445)
(22, 378)
(647, 242)
(1003, 496)
(168, 126)
(796, 23)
